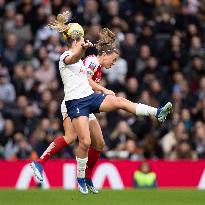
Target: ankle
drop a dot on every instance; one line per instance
(40, 161)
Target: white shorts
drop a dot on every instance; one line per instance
(65, 114)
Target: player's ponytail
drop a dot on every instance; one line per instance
(70, 31)
(106, 37)
(106, 43)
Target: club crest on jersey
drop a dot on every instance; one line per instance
(92, 66)
(97, 80)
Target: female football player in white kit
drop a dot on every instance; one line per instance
(107, 56)
(80, 100)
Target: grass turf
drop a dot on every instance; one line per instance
(106, 197)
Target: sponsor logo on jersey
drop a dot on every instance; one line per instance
(83, 71)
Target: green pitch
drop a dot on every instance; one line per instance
(106, 197)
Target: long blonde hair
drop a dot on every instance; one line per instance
(70, 31)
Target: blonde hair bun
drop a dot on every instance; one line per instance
(74, 30)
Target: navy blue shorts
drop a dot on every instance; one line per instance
(84, 106)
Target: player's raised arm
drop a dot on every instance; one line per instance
(73, 35)
(80, 47)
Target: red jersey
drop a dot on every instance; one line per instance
(93, 67)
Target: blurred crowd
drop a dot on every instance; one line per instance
(162, 59)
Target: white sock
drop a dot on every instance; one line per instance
(145, 110)
(81, 166)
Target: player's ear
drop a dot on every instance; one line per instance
(81, 40)
(76, 42)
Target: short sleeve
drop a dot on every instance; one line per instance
(66, 53)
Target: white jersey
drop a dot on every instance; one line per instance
(74, 79)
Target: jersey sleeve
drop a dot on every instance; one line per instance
(66, 53)
(90, 65)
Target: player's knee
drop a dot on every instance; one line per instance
(70, 138)
(120, 103)
(100, 145)
(85, 143)
(67, 139)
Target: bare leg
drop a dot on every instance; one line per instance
(97, 140)
(81, 126)
(59, 142)
(112, 103)
(70, 134)
(57, 145)
(97, 145)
